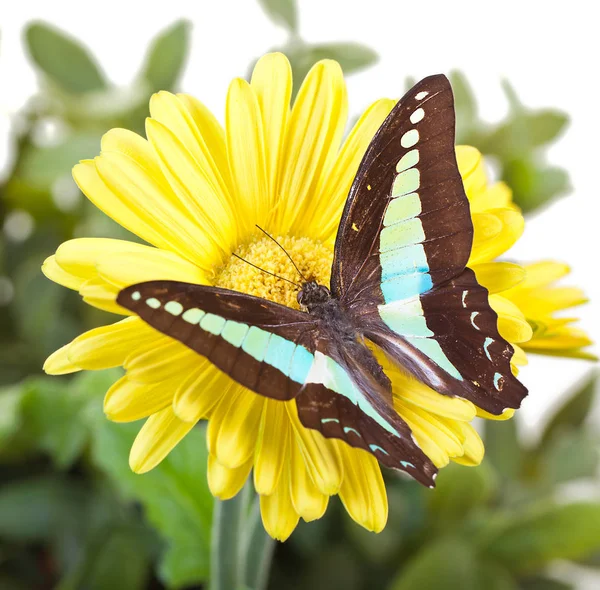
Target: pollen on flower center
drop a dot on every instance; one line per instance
(312, 258)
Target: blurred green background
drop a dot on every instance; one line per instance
(73, 516)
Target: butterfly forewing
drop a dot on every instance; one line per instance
(266, 347)
(402, 247)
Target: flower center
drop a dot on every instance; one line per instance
(312, 258)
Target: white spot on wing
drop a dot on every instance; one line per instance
(421, 95)
(417, 116)
(409, 139)
(464, 297)
(473, 316)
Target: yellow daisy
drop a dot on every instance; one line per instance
(194, 191)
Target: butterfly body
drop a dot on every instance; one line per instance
(399, 282)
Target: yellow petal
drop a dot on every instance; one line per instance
(246, 149)
(319, 455)
(314, 133)
(272, 85)
(225, 482)
(58, 362)
(495, 232)
(272, 447)
(512, 324)
(78, 257)
(127, 268)
(109, 346)
(472, 169)
(88, 180)
(472, 445)
(214, 136)
(56, 273)
(233, 427)
(176, 113)
(519, 356)
(506, 415)
(149, 199)
(197, 192)
(363, 490)
(495, 196)
(127, 401)
(103, 295)
(159, 435)
(499, 276)
(309, 502)
(330, 195)
(408, 389)
(544, 273)
(277, 510)
(161, 360)
(200, 391)
(435, 428)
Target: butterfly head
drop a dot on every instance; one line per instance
(312, 294)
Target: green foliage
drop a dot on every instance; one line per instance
(166, 57)
(175, 496)
(63, 60)
(518, 143)
(530, 539)
(283, 12)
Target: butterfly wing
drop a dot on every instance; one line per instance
(343, 399)
(283, 353)
(401, 251)
(266, 347)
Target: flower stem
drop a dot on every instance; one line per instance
(258, 551)
(226, 564)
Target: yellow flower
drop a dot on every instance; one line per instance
(195, 191)
(540, 300)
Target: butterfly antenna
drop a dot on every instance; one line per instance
(284, 251)
(268, 272)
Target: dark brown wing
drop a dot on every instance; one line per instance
(344, 398)
(461, 353)
(400, 255)
(406, 226)
(262, 345)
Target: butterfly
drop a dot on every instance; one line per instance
(399, 281)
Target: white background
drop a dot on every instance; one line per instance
(548, 50)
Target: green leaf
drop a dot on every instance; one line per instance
(352, 57)
(522, 134)
(282, 12)
(33, 509)
(174, 495)
(570, 456)
(530, 540)
(544, 583)
(502, 448)
(459, 491)
(54, 413)
(574, 410)
(448, 564)
(491, 576)
(465, 105)
(533, 185)
(10, 413)
(166, 57)
(63, 60)
(114, 557)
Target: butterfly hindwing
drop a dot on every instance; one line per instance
(401, 251)
(343, 399)
(461, 353)
(262, 345)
